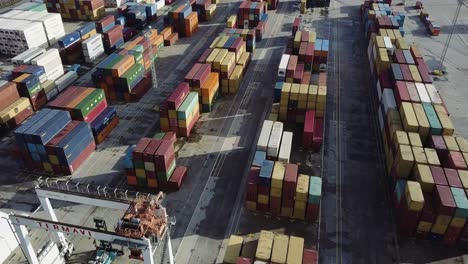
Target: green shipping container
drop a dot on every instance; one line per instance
(159, 135)
(163, 176)
(127, 80)
(139, 164)
(142, 182)
(187, 106)
(88, 104)
(315, 189)
(461, 201)
(34, 90)
(436, 127)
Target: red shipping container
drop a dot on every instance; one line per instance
(407, 220)
(171, 40)
(464, 234)
(312, 212)
(452, 235)
(309, 123)
(68, 170)
(452, 178)
(150, 174)
(106, 21)
(140, 89)
(310, 53)
(424, 72)
(170, 136)
(302, 51)
(290, 181)
(163, 155)
(406, 72)
(252, 181)
(401, 92)
(296, 25)
(19, 118)
(149, 151)
(444, 203)
(398, 56)
(38, 100)
(318, 134)
(264, 190)
(9, 94)
(275, 205)
(298, 73)
(51, 145)
(292, 63)
(178, 176)
(242, 260)
(306, 77)
(178, 96)
(304, 36)
(287, 202)
(384, 80)
(57, 169)
(309, 256)
(202, 75)
(322, 79)
(204, 56)
(438, 175)
(113, 35)
(95, 112)
(455, 160)
(140, 148)
(189, 77)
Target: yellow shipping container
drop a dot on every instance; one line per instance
(415, 73)
(14, 109)
(300, 205)
(462, 143)
(47, 166)
(294, 96)
(439, 229)
(393, 123)
(400, 138)
(285, 94)
(228, 61)
(231, 22)
(302, 187)
(297, 39)
(451, 143)
(432, 157)
(404, 161)
(280, 249)
(53, 159)
(423, 122)
(265, 244)
(415, 139)
(312, 36)
(303, 92)
(463, 174)
(445, 120)
(263, 199)
(423, 175)
(379, 42)
(424, 226)
(278, 175)
(215, 42)
(219, 58)
(414, 196)
(410, 122)
(312, 93)
(322, 94)
(140, 173)
(286, 212)
(273, 117)
(244, 59)
(383, 32)
(458, 222)
(172, 114)
(251, 205)
(222, 42)
(295, 250)
(391, 36)
(419, 155)
(235, 79)
(211, 58)
(401, 44)
(233, 249)
(275, 192)
(397, 34)
(298, 213)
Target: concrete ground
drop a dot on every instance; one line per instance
(356, 223)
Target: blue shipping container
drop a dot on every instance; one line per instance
(102, 120)
(69, 39)
(260, 157)
(19, 132)
(40, 123)
(51, 128)
(88, 27)
(266, 172)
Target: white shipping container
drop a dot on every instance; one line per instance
(423, 93)
(286, 145)
(93, 47)
(388, 100)
(26, 56)
(283, 65)
(11, 13)
(388, 45)
(433, 94)
(114, 3)
(275, 140)
(18, 35)
(51, 62)
(265, 133)
(160, 4)
(66, 80)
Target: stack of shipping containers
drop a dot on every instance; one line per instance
(180, 112)
(77, 10)
(50, 141)
(268, 247)
(13, 108)
(182, 17)
(151, 163)
(426, 163)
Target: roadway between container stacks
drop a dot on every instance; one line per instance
(356, 221)
(194, 247)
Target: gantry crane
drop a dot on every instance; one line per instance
(88, 194)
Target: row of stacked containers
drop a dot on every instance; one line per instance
(219, 69)
(274, 184)
(426, 162)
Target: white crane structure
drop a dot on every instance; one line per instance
(90, 195)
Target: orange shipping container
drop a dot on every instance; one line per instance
(210, 86)
(191, 24)
(122, 66)
(167, 32)
(79, 97)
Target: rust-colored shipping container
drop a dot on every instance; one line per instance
(8, 94)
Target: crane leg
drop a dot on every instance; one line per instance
(58, 237)
(148, 255)
(169, 249)
(25, 244)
